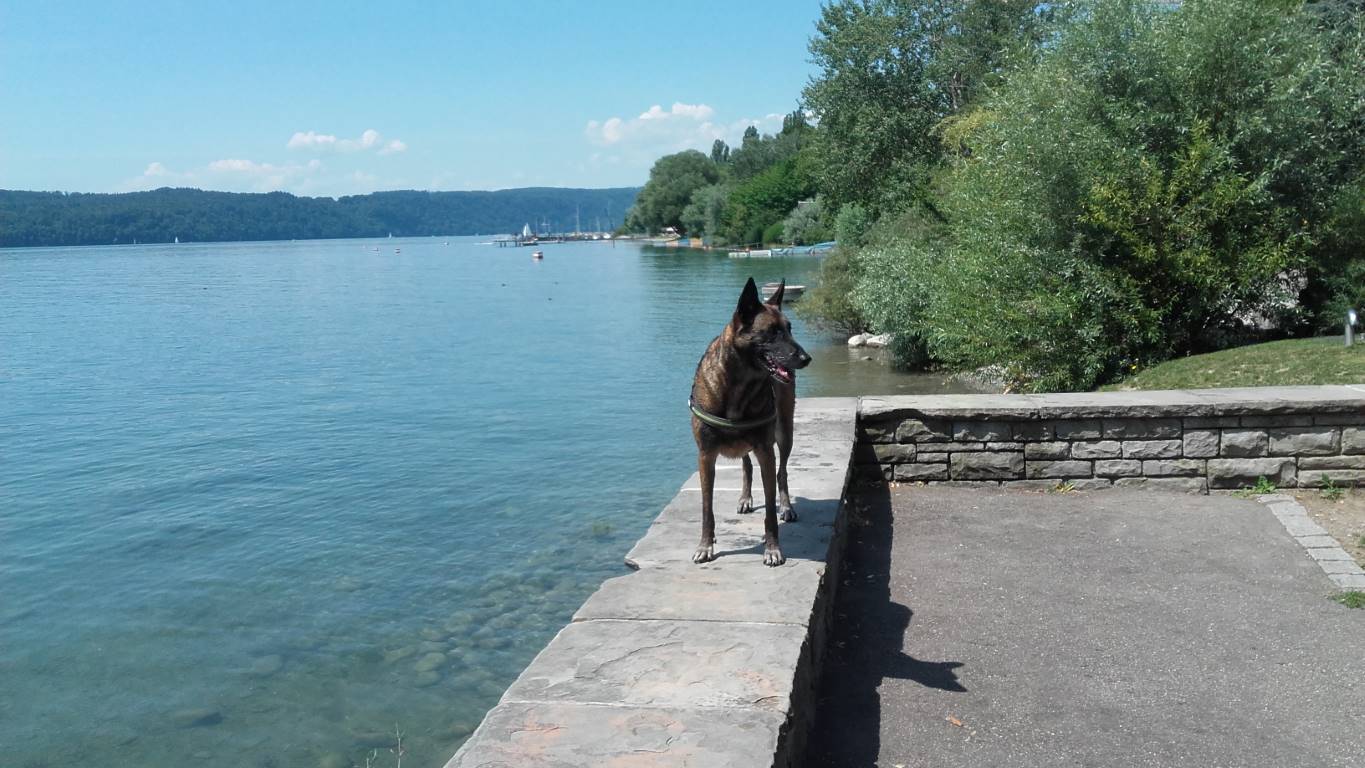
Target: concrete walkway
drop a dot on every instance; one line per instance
(1113, 628)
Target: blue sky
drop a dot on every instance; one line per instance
(351, 97)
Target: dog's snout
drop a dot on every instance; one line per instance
(802, 359)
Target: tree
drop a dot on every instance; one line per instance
(672, 182)
(705, 214)
(890, 72)
(765, 200)
(755, 154)
(720, 152)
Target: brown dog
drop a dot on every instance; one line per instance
(743, 400)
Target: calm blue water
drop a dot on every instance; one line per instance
(261, 503)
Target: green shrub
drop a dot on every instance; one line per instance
(851, 225)
(805, 224)
(1144, 187)
(829, 303)
(773, 233)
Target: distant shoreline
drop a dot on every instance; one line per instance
(166, 215)
(488, 240)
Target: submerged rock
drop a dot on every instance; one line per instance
(459, 623)
(349, 584)
(491, 689)
(196, 717)
(398, 654)
(428, 678)
(429, 662)
(334, 760)
(266, 666)
(492, 642)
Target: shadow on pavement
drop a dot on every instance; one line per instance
(867, 643)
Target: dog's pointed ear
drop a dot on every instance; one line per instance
(776, 299)
(749, 304)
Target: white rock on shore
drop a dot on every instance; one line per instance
(858, 340)
(880, 340)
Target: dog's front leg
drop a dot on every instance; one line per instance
(772, 553)
(706, 467)
(746, 495)
(784, 450)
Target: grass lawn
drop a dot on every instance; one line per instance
(1323, 360)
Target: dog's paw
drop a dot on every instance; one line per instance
(705, 553)
(772, 557)
(746, 505)
(785, 513)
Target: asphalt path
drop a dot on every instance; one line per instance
(980, 627)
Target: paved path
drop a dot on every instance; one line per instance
(1117, 628)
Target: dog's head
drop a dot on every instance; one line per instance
(762, 335)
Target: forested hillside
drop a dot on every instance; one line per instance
(192, 215)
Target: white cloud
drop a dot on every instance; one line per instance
(683, 126)
(232, 175)
(326, 142)
(311, 140)
(625, 148)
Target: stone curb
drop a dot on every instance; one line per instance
(1339, 566)
(676, 664)
(1191, 440)
(1232, 401)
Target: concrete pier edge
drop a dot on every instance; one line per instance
(705, 665)
(718, 664)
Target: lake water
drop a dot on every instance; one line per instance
(262, 503)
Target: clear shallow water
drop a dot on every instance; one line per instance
(249, 492)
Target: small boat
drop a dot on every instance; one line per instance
(537, 255)
(790, 293)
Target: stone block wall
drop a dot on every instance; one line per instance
(1193, 440)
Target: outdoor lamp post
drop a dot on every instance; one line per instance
(1350, 326)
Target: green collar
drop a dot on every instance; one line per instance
(719, 423)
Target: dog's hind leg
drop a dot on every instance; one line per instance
(746, 495)
(706, 467)
(772, 553)
(786, 411)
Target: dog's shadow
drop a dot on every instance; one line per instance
(867, 643)
(806, 538)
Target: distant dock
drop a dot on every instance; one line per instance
(517, 241)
